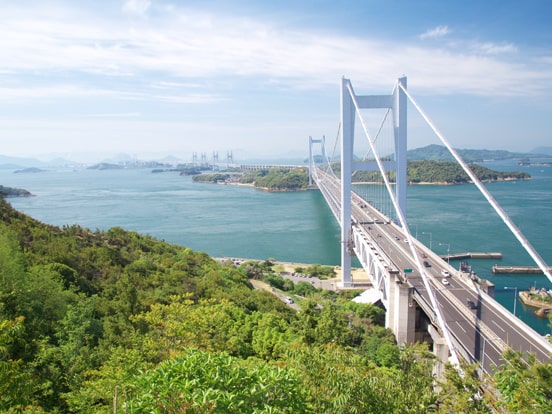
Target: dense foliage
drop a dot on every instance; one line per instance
(212, 178)
(116, 321)
(439, 172)
(452, 173)
(277, 179)
(271, 179)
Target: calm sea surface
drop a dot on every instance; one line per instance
(231, 221)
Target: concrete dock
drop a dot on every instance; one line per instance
(517, 270)
(473, 255)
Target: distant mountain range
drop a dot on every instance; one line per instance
(15, 163)
(431, 152)
(440, 153)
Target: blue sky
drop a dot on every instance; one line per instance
(155, 77)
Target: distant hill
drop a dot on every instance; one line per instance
(19, 163)
(440, 153)
(543, 150)
(105, 166)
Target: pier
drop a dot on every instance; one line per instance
(517, 270)
(539, 299)
(474, 255)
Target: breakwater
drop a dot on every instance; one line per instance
(472, 255)
(518, 270)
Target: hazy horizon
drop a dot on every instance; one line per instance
(168, 156)
(259, 78)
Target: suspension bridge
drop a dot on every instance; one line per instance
(426, 299)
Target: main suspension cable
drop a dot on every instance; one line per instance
(505, 218)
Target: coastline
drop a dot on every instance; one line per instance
(358, 275)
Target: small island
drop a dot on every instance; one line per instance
(13, 192)
(270, 179)
(32, 170)
(105, 166)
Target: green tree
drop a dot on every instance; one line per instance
(525, 385)
(17, 384)
(203, 382)
(331, 326)
(270, 337)
(461, 392)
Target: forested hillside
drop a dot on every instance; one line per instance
(439, 172)
(436, 152)
(451, 173)
(271, 179)
(115, 321)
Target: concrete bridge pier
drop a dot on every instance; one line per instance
(441, 351)
(401, 311)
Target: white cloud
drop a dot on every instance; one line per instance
(114, 115)
(139, 7)
(495, 49)
(132, 59)
(52, 92)
(438, 31)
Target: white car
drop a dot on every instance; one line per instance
(445, 273)
(445, 282)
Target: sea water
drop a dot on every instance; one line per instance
(238, 221)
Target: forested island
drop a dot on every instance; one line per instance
(442, 173)
(448, 172)
(115, 321)
(13, 192)
(270, 179)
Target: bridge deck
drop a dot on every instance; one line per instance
(480, 326)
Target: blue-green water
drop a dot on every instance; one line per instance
(236, 221)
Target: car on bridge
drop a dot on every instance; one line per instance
(427, 264)
(445, 273)
(445, 282)
(471, 304)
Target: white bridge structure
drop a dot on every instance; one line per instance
(425, 298)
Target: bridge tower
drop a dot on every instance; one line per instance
(312, 162)
(350, 104)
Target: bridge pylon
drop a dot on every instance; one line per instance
(350, 105)
(312, 161)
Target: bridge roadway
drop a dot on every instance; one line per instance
(481, 332)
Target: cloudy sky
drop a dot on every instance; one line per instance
(153, 77)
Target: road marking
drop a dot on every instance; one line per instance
(498, 326)
(460, 326)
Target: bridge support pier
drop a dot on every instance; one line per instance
(401, 312)
(441, 351)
